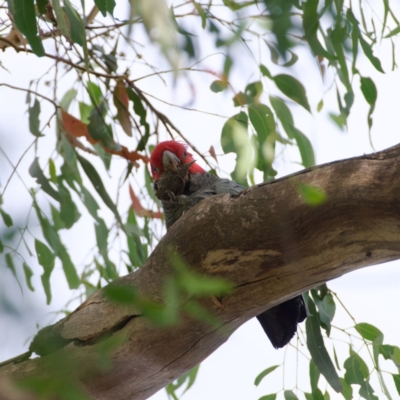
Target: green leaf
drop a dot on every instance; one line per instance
(396, 379)
(314, 376)
(67, 99)
(57, 221)
(61, 17)
(369, 91)
(141, 112)
(264, 373)
(368, 331)
(293, 89)
(311, 195)
(201, 13)
(320, 105)
(326, 309)
(24, 16)
(105, 6)
(1, 247)
(46, 260)
(263, 120)
(265, 71)
(98, 128)
(268, 397)
(218, 86)
(289, 395)
(85, 111)
(310, 25)
(6, 218)
(339, 120)
(253, 91)
(28, 275)
(316, 346)
(305, 148)
(235, 139)
(357, 373)
(368, 52)
(95, 94)
(10, 264)
(393, 32)
(52, 171)
(94, 177)
(69, 213)
(78, 34)
(34, 122)
(347, 392)
(36, 172)
(42, 6)
(69, 269)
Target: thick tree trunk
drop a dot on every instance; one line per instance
(266, 241)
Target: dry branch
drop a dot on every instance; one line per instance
(266, 241)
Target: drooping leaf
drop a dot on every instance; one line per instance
(67, 98)
(357, 373)
(94, 177)
(235, 139)
(36, 172)
(310, 26)
(326, 308)
(141, 112)
(24, 17)
(46, 259)
(99, 129)
(370, 93)
(289, 395)
(10, 264)
(293, 89)
(78, 34)
(264, 373)
(28, 275)
(396, 379)
(347, 392)
(368, 331)
(121, 102)
(62, 20)
(202, 14)
(316, 346)
(268, 397)
(367, 48)
(34, 122)
(105, 6)
(6, 218)
(314, 376)
(218, 86)
(69, 269)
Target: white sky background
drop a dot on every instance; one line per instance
(371, 294)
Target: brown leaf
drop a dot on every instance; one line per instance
(76, 128)
(121, 102)
(139, 209)
(212, 154)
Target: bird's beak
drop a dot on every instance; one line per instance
(170, 161)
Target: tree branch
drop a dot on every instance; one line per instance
(266, 241)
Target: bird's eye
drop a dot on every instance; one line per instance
(184, 153)
(155, 169)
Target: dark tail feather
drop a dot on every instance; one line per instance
(280, 322)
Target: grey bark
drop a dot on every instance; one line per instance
(266, 241)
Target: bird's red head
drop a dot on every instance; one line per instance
(170, 154)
